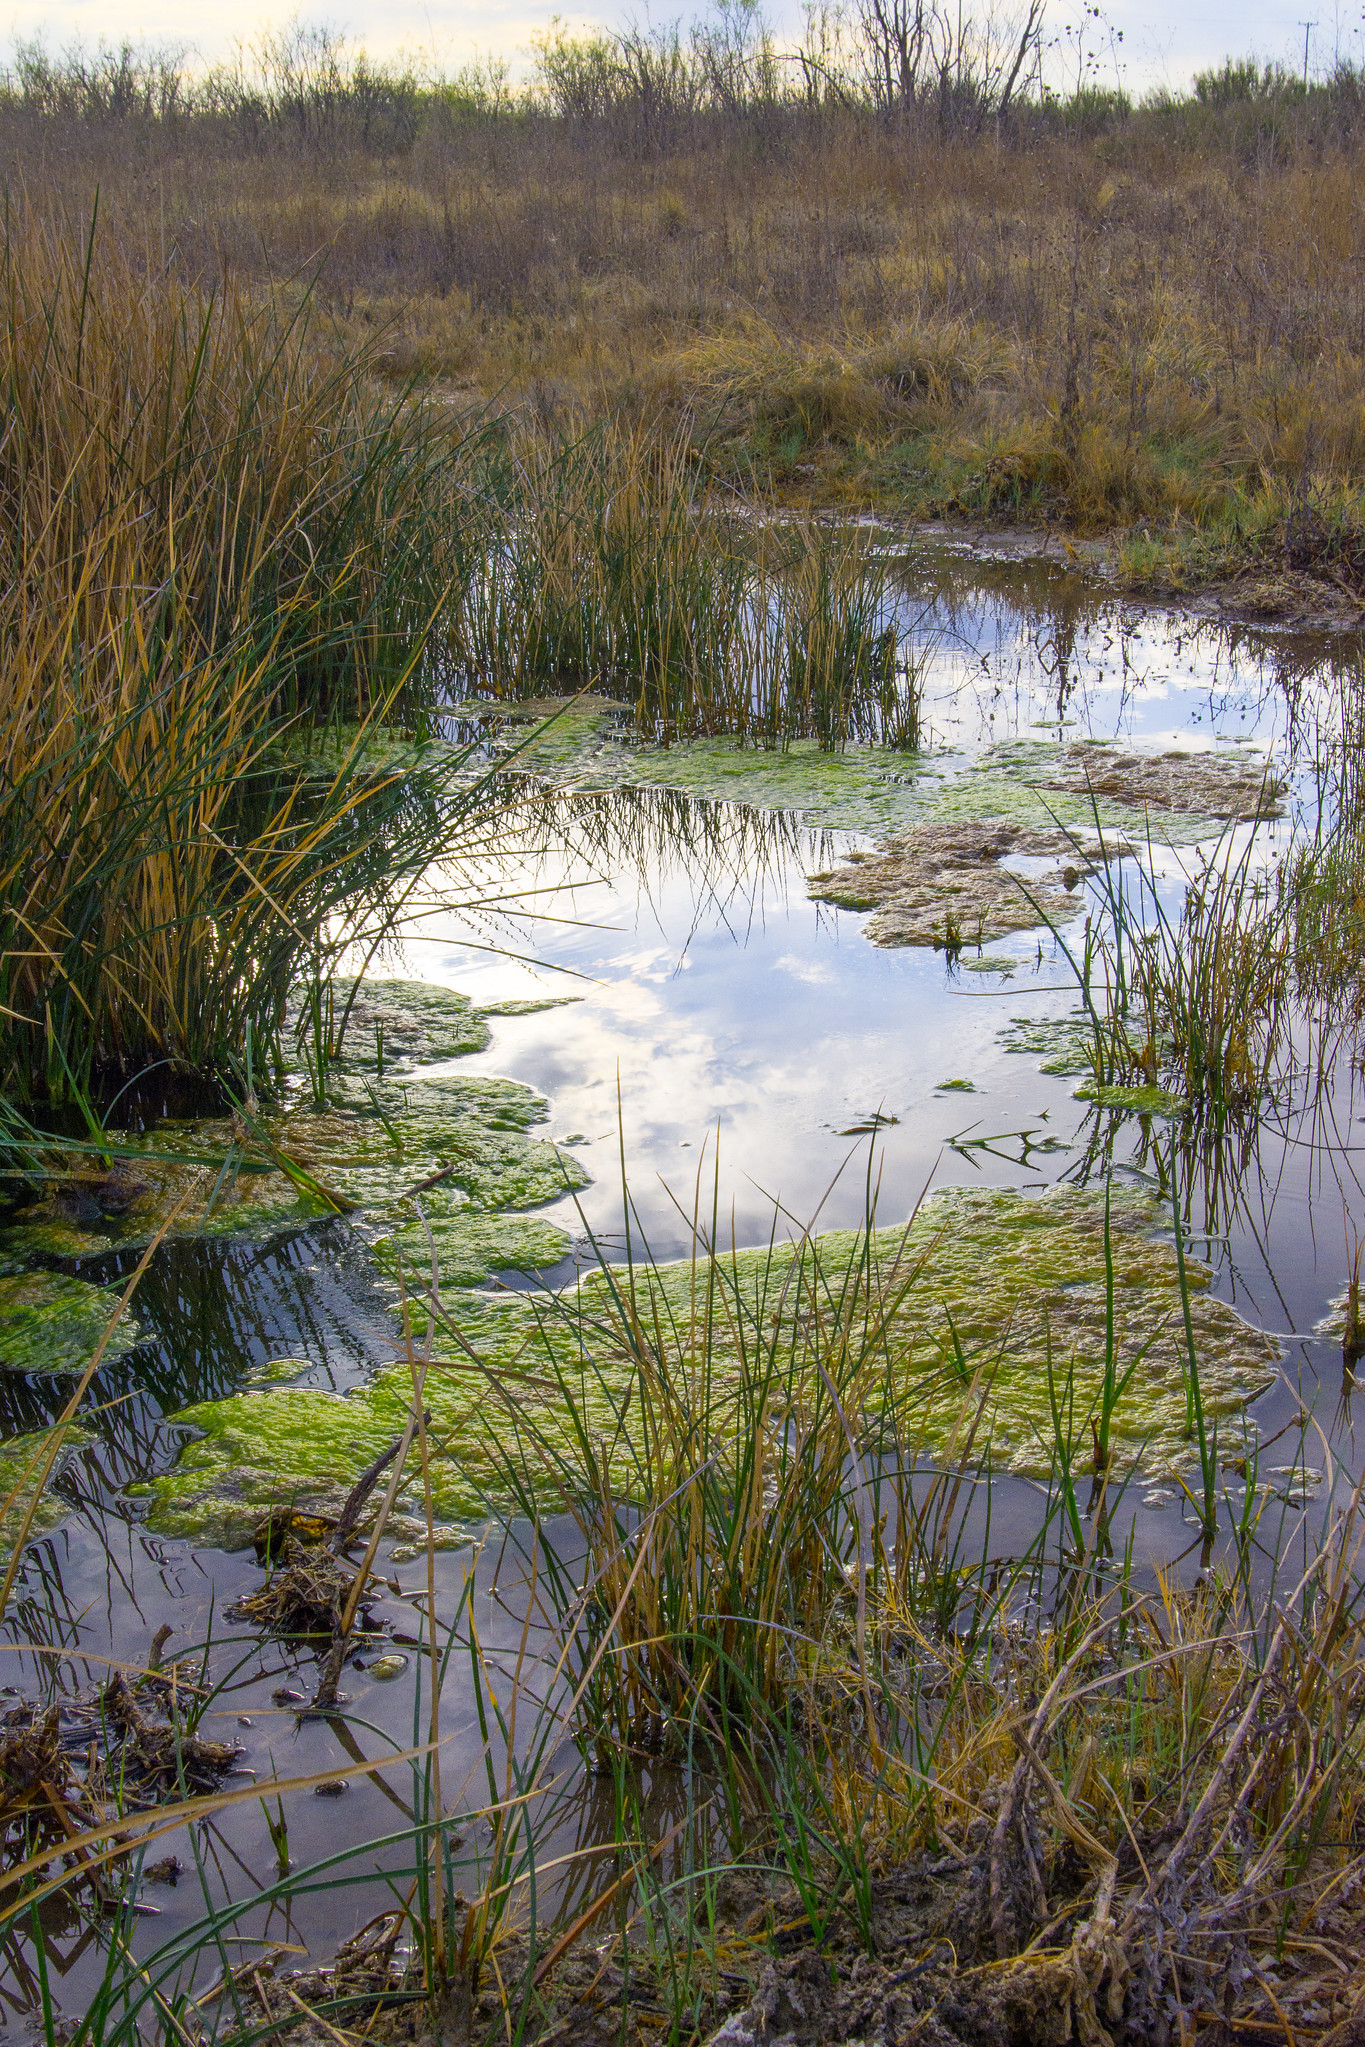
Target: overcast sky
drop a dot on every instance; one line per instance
(1163, 40)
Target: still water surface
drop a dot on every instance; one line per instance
(721, 1023)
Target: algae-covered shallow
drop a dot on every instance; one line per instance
(374, 1023)
(1180, 795)
(1133, 1101)
(1062, 1045)
(996, 1302)
(50, 1322)
(456, 1137)
(470, 1247)
(22, 1459)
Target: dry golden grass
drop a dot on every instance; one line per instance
(1159, 323)
(210, 533)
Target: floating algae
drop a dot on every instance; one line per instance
(1036, 783)
(937, 881)
(1136, 1101)
(415, 1023)
(19, 1456)
(197, 1175)
(942, 885)
(862, 788)
(470, 1246)
(377, 1141)
(469, 1129)
(1218, 785)
(1014, 1279)
(1066, 1043)
(25, 1242)
(50, 1322)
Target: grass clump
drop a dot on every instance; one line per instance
(234, 559)
(213, 536)
(1195, 1003)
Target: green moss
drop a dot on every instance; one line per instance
(1140, 1101)
(50, 1322)
(1021, 1277)
(24, 1242)
(17, 1455)
(470, 1247)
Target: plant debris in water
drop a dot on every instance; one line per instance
(69, 1764)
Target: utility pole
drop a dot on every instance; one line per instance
(1306, 26)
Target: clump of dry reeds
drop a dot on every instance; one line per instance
(211, 534)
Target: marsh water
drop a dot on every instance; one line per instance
(720, 1030)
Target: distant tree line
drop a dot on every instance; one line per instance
(909, 65)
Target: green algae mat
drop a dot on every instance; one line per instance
(19, 1458)
(589, 746)
(463, 1140)
(390, 1135)
(50, 1322)
(986, 1311)
(943, 825)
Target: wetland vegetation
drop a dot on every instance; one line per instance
(457, 1581)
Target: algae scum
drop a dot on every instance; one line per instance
(1004, 1312)
(813, 957)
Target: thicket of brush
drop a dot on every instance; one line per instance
(883, 262)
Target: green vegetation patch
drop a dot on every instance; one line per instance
(470, 1247)
(1064, 1044)
(470, 1129)
(1178, 798)
(415, 1022)
(50, 1322)
(17, 1456)
(986, 1289)
(1137, 1101)
(461, 1139)
(863, 788)
(943, 885)
(24, 1242)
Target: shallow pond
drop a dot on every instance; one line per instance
(715, 1028)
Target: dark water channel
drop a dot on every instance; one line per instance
(732, 1018)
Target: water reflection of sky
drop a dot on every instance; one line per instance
(720, 1015)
